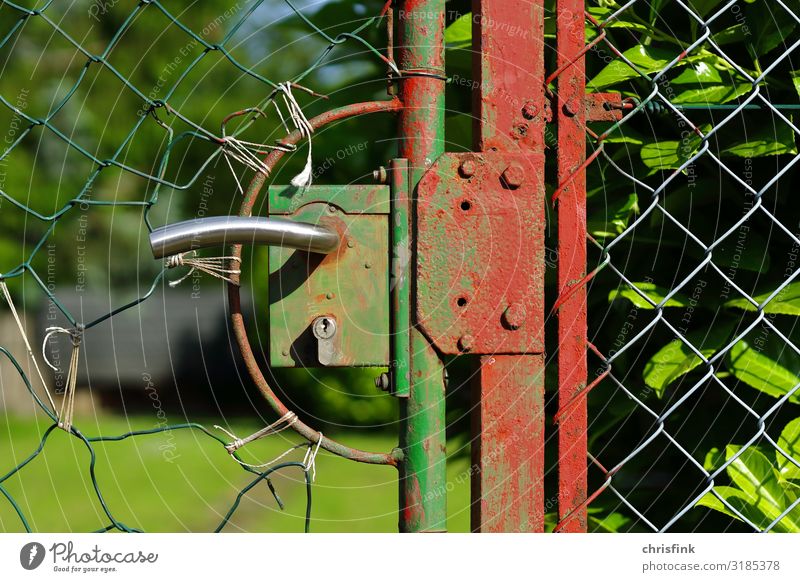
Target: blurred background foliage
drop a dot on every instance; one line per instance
(40, 70)
(702, 72)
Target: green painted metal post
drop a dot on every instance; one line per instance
(423, 500)
(400, 283)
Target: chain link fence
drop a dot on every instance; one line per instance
(695, 233)
(694, 366)
(77, 147)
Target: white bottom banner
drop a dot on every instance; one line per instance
(387, 558)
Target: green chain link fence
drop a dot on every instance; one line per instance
(51, 27)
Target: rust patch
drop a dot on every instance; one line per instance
(480, 253)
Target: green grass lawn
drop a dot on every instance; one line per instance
(194, 484)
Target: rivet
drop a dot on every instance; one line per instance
(381, 175)
(383, 381)
(465, 343)
(530, 110)
(571, 108)
(285, 352)
(467, 168)
(329, 296)
(367, 265)
(514, 316)
(350, 244)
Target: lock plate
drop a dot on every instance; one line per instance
(349, 287)
(480, 253)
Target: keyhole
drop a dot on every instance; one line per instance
(324, 328)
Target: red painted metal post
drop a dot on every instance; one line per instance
(508, 444)
(571, 118)
(423, 487)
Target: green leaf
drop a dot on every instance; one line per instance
(791, 488)
(755, 475)
(655, 9)
(741, 501)
(752, 472)
(769, 29)
(670, 154)
(698, 72)
(601, 13)
(789, 441)
(796, 81)
(731, 35)
(765, 140)
(611, 523)
(620, 134)
(758, 370)
(787, 302)
(459, 33)
(615, 219)
(653, 291)
(647, 59)
(703, 7)
(721, 93)
(626, 137)
(676, 359)
(714, 460)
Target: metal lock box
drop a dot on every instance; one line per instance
(331, 310)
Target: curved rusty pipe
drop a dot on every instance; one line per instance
(234, 298)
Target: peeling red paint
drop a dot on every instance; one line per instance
(481, 248)
(571, 195)
(508, 451)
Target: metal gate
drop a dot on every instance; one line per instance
(676, 372)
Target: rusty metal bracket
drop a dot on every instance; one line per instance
(480, 253)
(597, 107)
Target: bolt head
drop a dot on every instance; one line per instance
(571, 108)
(530, 110)
(383, 382)
(465, 343)
(514, 316)
(367, 265)
(514, 176)
(381, 175)
(467, 168)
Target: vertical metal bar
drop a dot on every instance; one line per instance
(508, 418)
(507, 483)
(400, 284)
(508, 40)
(571, 119)
(423, 501)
